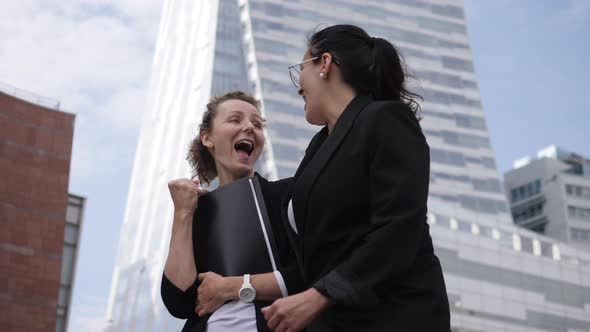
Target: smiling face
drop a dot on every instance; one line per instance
(235, 140)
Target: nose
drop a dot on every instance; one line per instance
(248, 127)
(300, 92)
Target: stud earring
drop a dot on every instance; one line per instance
(323, 75)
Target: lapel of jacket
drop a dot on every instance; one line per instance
(314, 145)
(295, 242)
(311, 168)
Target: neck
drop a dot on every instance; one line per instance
(226, 177)
(338, 102)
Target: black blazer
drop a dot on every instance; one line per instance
(181, 304)
(359, 200)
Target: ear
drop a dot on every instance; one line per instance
(326, 62)
(206, 140)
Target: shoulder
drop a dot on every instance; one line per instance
(389, 123)
(387, 110)
(386, 116)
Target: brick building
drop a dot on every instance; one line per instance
(35, 151)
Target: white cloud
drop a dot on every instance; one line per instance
(65, 56)
(92, 55)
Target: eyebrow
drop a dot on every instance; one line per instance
(240, 113)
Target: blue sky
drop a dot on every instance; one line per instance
(531, 59)
(95, 57)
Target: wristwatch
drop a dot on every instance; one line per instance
(247, 292)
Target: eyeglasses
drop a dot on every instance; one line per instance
(295, 71)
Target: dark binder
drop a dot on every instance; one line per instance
(232, 234)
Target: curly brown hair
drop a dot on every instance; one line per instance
(199, 157)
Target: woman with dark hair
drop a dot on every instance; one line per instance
(229, 142)
(358, 198)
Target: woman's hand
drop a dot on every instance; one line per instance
(295, 312)
(214, 291)
(185, 196)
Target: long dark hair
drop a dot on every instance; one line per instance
(371, 66)
(199, 157)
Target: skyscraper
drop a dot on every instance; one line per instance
(499, 277)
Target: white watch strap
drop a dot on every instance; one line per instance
(247, 280)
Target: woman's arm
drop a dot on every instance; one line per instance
(180, 266)
(214, 290)
(180, 273)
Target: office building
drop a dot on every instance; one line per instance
(550, 194)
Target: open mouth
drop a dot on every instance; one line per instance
(245, 145)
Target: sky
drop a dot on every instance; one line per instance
(94, 56)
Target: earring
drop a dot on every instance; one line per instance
(323, 75)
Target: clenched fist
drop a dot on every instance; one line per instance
(185, 195)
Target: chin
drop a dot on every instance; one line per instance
(309, 118)
(313, 121)
(244, 170)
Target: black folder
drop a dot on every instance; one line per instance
(232, 234)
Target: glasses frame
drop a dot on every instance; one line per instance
(297, 69)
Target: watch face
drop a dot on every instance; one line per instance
(247, 294)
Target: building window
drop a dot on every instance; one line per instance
(72, 214)
(578, 191)
(528, 213)
(538, 228)
(578, 234)
(578, 213)
(525, 191)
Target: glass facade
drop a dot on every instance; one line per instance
(229, 63)
(499, 277)
(180, 87)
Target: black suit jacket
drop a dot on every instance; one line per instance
(359, 200)
(181, 304)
